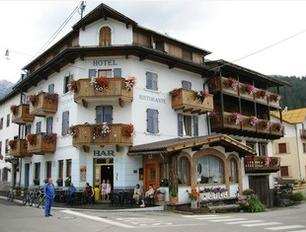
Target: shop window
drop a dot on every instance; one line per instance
(210, 170)
(105, 36)
(284, 170)
(188, 125)
(184, 171)
(282, 148)
(152, 121)
(233, 171)
(48, 169)
(151, 81)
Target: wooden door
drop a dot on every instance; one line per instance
(260, 185)
(105, 36)
(151, 175)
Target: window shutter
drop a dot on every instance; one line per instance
(150, 120)
(92, 73)
(108, 114)
(154, 81)
(99, 114)
(65, 122)
(27, 130)
(186, 84)
(149, 80)
(38, 127)
(155, 121)
(180, 124)
(51, 88)
(49, 125)
(195, 126)
(117, 72)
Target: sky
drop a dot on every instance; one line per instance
(229, 29)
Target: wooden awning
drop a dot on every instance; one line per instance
(178, 144)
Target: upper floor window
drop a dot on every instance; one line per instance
(51, 88)
(65, 123)
(262, 149)
(49, 125)
(105, 73)
(67, 79)
(188, 125)
(152, 121)
(8, 119)
(105, 38)
(186, 84)
(282, 148)
(284, 171)
(6, 146)
(27, 130)
(104, 114)
(304, 147)
(1, 123)
(38, 127)
(160, 45)
(251, 145)
(151, 81)
(0, 147)
(24, 99)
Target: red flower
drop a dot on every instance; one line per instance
(128, 130)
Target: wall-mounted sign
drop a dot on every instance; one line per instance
(152, 99)
(83, 173)
(103, 153)
(104, 62)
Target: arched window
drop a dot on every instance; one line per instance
(105, 36)
(210, 170)
(233, 171)
(184, 171)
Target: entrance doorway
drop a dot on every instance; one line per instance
(260, 185)
(104, 170)
(151, 175)
(27, 175)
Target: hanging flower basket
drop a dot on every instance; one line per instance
(101, 131)
(215, 116)
(261, 94)
(174, 93)
(13, 144)
(128, 130)
(231, 83)
(266, 124)
(100, 83)
(274, 97)
(201, 95)
(72, 86)
(277, 127)
(236, 118)
(129, 83)
(31, 139)
(247, 88)
(253, 121)
(52, 97)
(50, 138)
(14, 109)
(33, 99)
(73, 131)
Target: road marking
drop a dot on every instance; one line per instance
(194, 216)
(209, 218)
(285, 227)
(297, 231)
(243, 222)
(95, 218)
(262, 224)
(227, 220)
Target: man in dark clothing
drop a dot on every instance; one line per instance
(89, 193)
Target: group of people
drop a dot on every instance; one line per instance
(142, 198)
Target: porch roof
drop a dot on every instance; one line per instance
(177, 144)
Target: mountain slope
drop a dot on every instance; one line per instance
(5, 87)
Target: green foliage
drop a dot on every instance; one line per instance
(293, 97)
(248, 192)
(297, 196)
(254, 205)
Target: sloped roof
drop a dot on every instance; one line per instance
(292, 116)
(177, 144)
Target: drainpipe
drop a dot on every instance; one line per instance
(298, 151)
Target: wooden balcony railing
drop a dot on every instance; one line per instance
(192, 101)
(43, 104)
(102, 134)
(18, 148)
(232, 87)
(260, 164)
(303, 133)
(241, 123)
(41, 143)
(21, 114)
(87, 90)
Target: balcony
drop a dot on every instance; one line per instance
(261, 164)
(43, 104)
(41, 143)
(192, 101)
(303, 134)
(102, 134)
(103, 89)
(232, 87)
(238, 124)
(21, 114)
(18, 148)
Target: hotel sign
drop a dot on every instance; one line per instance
(104, 62)
(103, 153)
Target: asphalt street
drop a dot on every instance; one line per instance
(14, 217)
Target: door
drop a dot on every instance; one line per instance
(27, 175)
(107, 173)
(151, 175)
(260, 185)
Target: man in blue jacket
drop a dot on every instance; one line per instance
(49, 192)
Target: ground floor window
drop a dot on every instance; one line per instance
(164, 174)
(184, 171)
(48, 169)
(233, 171)
(36, 174)
(210, 170)
(68, 167)
(284, 170)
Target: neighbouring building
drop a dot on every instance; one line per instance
(115, 101)
(292, 147)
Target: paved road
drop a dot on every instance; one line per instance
(19, 218)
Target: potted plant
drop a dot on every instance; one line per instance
(194, 198)
(173, 197)
(59, 182)
(297, 197)
(160, 195)
(68, 181)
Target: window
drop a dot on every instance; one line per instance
(92, 73)
(38, 127)
(24, 99)
(284, 170)
(251, 145)
(67, 79)
(104, 114)
(8, 120)
(186, 84)
(282, 148)
(37, 171)
(262, 149)
(49, 125)
(51, 88)
(65, 123)
(27, 130)
(0, 147)
(68, 167)
(105, 36)
(152, 121)
(105, 73)
(233, 171)
(184, 171)
(160, 45)
(188, 125)
(151, 81)
(48, 169)
(117, 72)
(6, 146)
(1, 123)
(60, 169)
(210, 170)
(304, 147)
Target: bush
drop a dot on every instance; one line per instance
(248, 192)
(298, 196)
(254, 205)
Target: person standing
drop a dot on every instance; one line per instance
(108, 189)
(49, 193)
